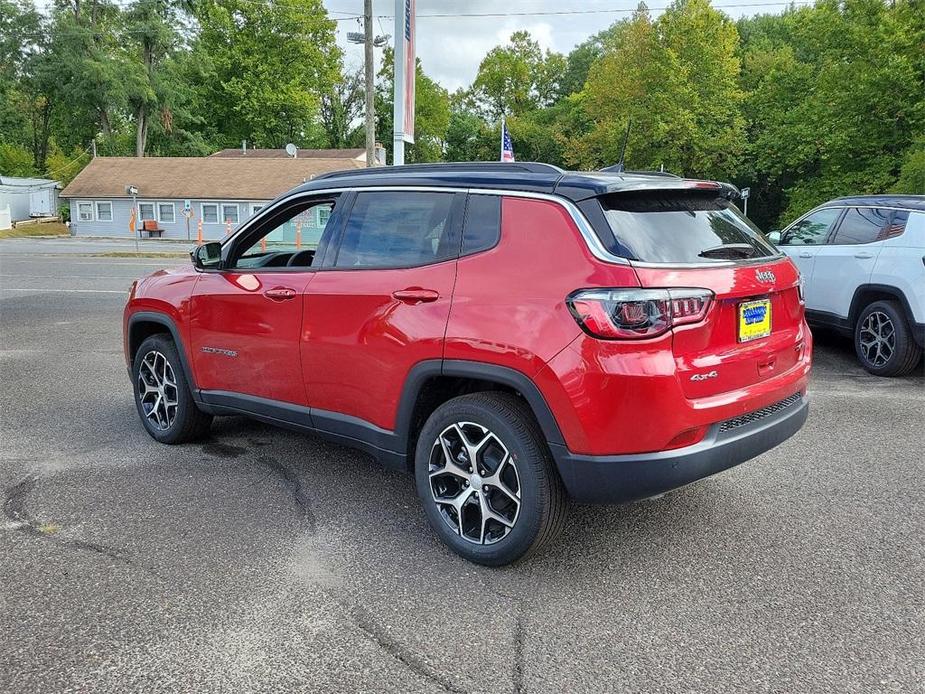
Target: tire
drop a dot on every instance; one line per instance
(157, 365)
(495, 527)
(883, 340)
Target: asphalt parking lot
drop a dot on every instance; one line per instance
(264, 560)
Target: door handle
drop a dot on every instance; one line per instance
(280, 293)
(804, 254)
(415, 295)
(863, 255)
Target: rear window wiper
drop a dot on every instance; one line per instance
(730, 251)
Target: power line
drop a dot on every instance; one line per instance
(546, 13)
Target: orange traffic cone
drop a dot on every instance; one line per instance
(263, 245)
(199, 233)
(298, 235)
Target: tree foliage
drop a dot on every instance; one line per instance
(431, 118)
(801, 106)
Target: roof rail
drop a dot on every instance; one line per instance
(448, 167)
(616, 169)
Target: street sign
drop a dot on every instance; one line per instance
(744, 193)
(187, 204)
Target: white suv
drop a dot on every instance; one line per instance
(863, 265)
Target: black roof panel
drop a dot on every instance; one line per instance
(523, 176)
(910, 202)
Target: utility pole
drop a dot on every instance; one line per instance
(370, 85)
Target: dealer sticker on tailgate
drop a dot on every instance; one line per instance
(754, 319)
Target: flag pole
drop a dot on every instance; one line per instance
(503, 125)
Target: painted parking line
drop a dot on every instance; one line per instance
(67, 277)
(68, 291)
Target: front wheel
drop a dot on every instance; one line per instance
(486, 479)
(162, 394)
(883, 340)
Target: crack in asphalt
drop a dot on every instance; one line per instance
(289, 477)
(14, 508)
(518, 672)
(362, 620)
(293, 483)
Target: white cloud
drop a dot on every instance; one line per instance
(451, 48)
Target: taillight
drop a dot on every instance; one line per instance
(634, 314)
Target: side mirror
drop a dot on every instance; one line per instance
(775, 236)
(208, 256)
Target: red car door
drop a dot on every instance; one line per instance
(246, 319)
(381, 305)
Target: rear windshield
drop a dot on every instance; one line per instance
(672, 227)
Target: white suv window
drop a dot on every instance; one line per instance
(813, 230)
(862, 225)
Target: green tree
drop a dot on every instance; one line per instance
(151, 37)
(675, 80)
(16, 160)
(912, 172)
(265, 65)
(585, 54)
(835, 100)
(341, 107)
(517, 77)
(20, 38)
(431, 112)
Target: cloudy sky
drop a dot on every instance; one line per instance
(451, 47)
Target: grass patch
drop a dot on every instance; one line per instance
(48, 528)
(48, 229)
(140, 254)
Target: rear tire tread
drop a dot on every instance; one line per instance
(906, 352)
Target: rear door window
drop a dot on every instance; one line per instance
(861, 225)
(398, 229)
(683, 227)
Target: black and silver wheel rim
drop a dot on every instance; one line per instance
(157, 390)
(878, 338)
(475, 483)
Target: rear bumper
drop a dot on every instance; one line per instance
(620, 478)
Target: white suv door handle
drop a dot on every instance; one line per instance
(863, 255)
(804, 254)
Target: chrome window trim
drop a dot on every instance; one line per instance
(847, 207)
(592, 242)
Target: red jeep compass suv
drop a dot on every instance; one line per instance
(513, 334)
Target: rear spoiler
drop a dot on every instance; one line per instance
(592, 185)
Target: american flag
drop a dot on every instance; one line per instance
(507, 147)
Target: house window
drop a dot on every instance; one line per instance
(146, 211)
(85, 211)
(165, 212)
(230, 213)
(255, 209)
(104, 211)
(324, 214)
(209, 213)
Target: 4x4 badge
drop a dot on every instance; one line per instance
(765, 276)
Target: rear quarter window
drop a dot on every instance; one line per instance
(482, 227)
(683, 227)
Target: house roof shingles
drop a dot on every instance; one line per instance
(235, 153)
(203, 178)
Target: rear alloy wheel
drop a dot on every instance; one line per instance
(162, 395)
(474, 482)
(486, 479)
(883, 342)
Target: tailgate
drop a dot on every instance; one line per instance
(752, 332)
